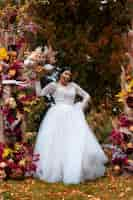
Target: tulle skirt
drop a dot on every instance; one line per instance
(69, 151)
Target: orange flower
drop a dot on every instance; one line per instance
(130, 145)
(130, 161)
(128, 77)
(39, 69)
(21, 96)
(12, 72)
(131, 128)
(117, 169)
(1, 68)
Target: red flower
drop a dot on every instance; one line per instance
(124, 121)
(11, 119)
(116, 137)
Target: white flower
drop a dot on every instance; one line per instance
(49, 67)
(28, 62)
(104, 2)
(11, 102)
(3, 165)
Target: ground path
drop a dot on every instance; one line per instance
(108, 188)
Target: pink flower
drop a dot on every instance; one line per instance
(124, 121)
(16, 65)
(3, 165)
(116, 137)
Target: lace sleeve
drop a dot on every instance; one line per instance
(48, 89)
(86, 97)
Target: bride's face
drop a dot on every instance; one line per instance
(66, 76)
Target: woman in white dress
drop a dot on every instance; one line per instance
(69, 151)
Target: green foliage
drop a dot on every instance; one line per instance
(6, 196)
(101, 123)
(34, 118)
(78, 29)
(2, 3)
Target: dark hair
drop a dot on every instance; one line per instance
(12, 47)
(63, 69)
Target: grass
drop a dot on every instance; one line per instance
(107, 188)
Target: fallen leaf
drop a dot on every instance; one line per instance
(122, 194)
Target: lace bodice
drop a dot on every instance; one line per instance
(63, 94)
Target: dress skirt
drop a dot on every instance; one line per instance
(69, 151)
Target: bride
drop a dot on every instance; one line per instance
(69, 151)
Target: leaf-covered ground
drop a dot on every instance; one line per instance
(107, 188)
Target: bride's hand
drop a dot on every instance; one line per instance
(79, 104)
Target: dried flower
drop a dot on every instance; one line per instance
(2, 174)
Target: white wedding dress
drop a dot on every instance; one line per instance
(69, 151)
